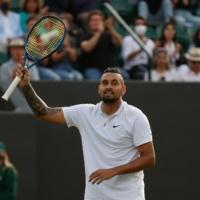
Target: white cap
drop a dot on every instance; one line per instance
(16, 42)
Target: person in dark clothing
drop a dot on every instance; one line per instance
(8, 178)
(99, 46)
(155, 10)
(183, 15)
(58, 6)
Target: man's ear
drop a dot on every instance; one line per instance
(123, 90)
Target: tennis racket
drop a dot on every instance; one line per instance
(44, 38)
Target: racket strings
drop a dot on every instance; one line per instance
(45, 37)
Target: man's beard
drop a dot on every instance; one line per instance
(109, 100)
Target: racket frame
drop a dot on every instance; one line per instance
(16, 81)
(25, 47)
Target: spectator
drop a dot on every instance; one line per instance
(155, 10)
(16, 50)
(10, 24)
(8, 176)
(191, 72)
(99, 46)
(61, 60)
(162, 71)
(73, 30)
(183, 14)
(31, 8)
(29, 24)
(82, 9)
(169, 42)
(135, 59)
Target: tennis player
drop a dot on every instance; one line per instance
(116, 138)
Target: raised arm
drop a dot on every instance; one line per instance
(39, 108)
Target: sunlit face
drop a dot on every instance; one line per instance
(111, 87)
(31, 6)
(95, 21)
(169, 32)
(2, 156)
(162, 59)
(194, 66)
(17, 52)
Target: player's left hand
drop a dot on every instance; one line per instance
(101, 175)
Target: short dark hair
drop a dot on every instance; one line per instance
(112, 70)
(95, 12)
(115, 71)
(139, 18)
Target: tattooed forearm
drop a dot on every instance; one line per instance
(38, 107)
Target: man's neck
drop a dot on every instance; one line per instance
(111, 108)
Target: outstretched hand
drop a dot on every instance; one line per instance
(25, 76)
(101, 175)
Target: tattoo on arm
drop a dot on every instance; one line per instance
(38, 107)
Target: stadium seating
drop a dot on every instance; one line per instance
(191, 31)
(3, 58)
(15, 6)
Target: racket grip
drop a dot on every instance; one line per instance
(11, 88)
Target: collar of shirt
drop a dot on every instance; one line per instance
(114, 114)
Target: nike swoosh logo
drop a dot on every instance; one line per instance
(115, 126)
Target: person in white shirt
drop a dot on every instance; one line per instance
(116, 138)
(16, 50)
(135, 59)
(191, 73)
(162, 70)
(9, 25)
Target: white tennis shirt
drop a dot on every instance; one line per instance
(110, 141)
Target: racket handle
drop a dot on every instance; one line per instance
(11, 88)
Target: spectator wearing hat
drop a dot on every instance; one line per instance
(16, 50)
(8, 176)
(191, 72)
(9, 23)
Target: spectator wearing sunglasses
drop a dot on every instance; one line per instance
(191, 72)
(8, 176)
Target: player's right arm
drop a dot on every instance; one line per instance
(39, 108)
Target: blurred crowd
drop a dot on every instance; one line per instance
(94, 40)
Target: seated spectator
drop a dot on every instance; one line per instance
(9, 24)
(8, 176)
(61, 60)
(155, 10)
(135, 59)
(168, 41)
(162, 71)
(183, 14)
(82, 9)
(31, 8)
(191, 72)
(29, 24)
(8, 69)
(73, 30)
(99, 46)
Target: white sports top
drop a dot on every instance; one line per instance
(110, 141)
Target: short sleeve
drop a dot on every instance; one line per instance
(73, 114)
(141, 130)
(128, 46)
